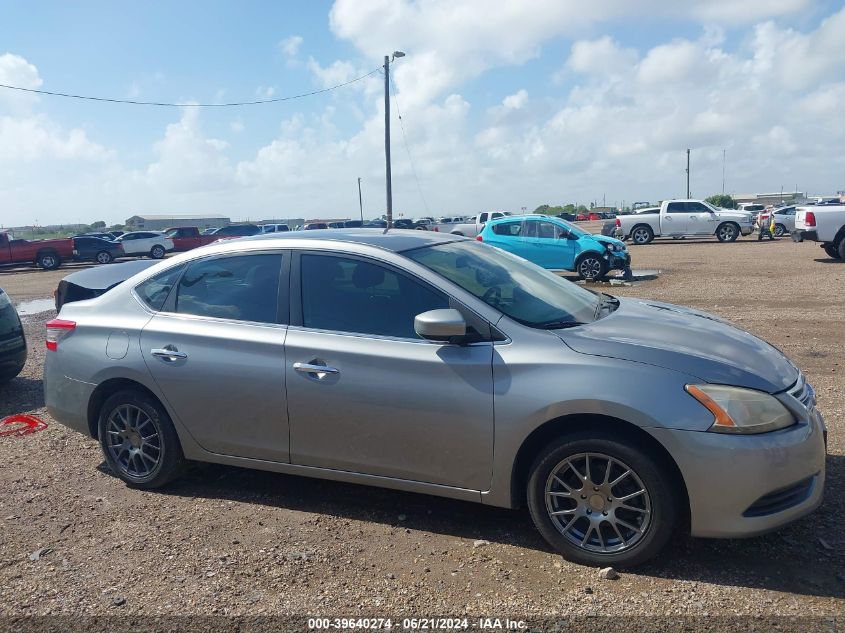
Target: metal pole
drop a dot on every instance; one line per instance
(387, 141)
(688, 173)
(723, 172)
(360, 200)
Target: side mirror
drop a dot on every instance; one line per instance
(571, 236)
(440, 325)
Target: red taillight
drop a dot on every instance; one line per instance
(436, 230)
(57, 329)
(810, 219)
(618, 222)
(479, 238)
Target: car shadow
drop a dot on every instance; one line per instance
(827, 260)
(20, 395)
(807, 557)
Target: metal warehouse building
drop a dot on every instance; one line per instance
(160, 222)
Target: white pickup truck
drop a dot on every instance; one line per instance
(682, 218)
(825, 224)
(468, 229)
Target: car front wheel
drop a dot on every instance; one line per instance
(602, 502)
(831, 251)
(780, 230)
(591, 267)
(727, 232)
(138, 440)
(157, 252)
(104, 257)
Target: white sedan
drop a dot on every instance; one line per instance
(150, 243)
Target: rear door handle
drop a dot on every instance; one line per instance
(321, 371)
(168, 353)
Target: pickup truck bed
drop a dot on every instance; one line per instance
(47, 254)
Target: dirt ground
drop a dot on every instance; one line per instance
(231, 541)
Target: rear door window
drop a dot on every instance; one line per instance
(509, 229)
(155, 290)
(242, 288)
(676, 207)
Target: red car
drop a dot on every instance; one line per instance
(186, 238)
(582, 217)
(48, 254)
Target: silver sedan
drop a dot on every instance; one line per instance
(431, 363)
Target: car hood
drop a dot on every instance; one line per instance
(609, 240)
(729, 214)
(685, 340)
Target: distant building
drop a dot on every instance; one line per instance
(769, 198)
(158, 222)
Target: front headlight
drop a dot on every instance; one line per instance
(738, 410)
(613, 248)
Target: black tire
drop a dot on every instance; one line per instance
(591, 266)
(662, 500)
(169, 460)
(642, 234)
(841, 249)
(727, 232)
(48, 260)
(780, 230)
(157, 252)
(831, 250)
(104, 257)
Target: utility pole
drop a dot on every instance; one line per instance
(723, 172)
(687, 173)
(360, 200)
(387, 135)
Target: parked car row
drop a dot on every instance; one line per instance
(617, 421)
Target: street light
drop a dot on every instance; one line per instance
(387, 60)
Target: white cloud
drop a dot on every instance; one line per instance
(290, 46)
(602, 56)
(516, 101)
(263, 92)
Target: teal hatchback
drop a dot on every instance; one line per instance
(556, 244)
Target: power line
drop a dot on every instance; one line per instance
(192, 105)
(407, 149)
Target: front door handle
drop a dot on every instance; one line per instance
(169, 352)
(319, 371)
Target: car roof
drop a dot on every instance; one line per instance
(396, 240)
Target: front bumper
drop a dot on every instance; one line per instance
(745, 485)
(618, 261)
(799, 235)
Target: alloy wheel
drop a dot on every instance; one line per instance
(641, 236)
(727, 232)
(590, 268)
(103, 258)
(598, 503)
(133, 441)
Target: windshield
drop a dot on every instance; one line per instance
(521, 290)
(572, 228)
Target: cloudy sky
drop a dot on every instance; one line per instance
(504, 104)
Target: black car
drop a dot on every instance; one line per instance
(104, 236)
(96, 249)
(404, 223)
(375, 224)
(238, 230)
(92, 282)
(12, 340)
(569, 217)
(353, 224)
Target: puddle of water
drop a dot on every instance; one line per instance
(36, 306)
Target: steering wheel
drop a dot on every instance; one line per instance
(493, 295)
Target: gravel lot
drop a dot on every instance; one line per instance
(231, 541)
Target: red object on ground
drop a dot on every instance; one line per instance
(17, 425)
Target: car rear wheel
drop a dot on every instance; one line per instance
(138, 440)
(49, 261)
(104, 257)
(591, 266)
(601, 502)
(727, 232)
(780, 230)
(642, 235)
(157, 252)
(841, 249)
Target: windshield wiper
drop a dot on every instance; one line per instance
(559, 325)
